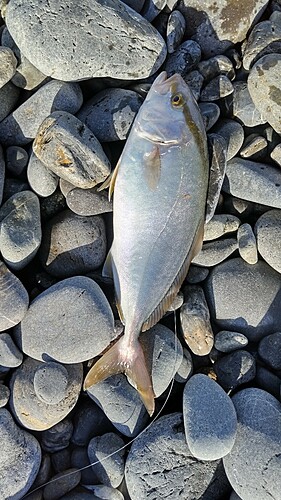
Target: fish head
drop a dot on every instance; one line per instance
(170, 114)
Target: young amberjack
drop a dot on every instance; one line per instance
(160, 189)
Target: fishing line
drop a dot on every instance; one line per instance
(129, 442)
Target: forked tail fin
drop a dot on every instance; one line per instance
(128, 359)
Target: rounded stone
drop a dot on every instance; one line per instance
(263, 39)
(236, 303)
(88, 201)
(219, 225)
(8, 95)
(210, 420)
(185, 370)
(226, 341)
(41, 179)
(254, 147)
(233, 134)
(17, 159)
(110, 113)
(31, 411)
(215, 66)
(253, 465)
(240, 105)
(69, 322)
(88, 421)
(234, 369)
(50, 382)
(269, 350)
(19, 459)
(10, 355)
(247, 244)
(8, 63)
(73, 244)
(160, 459)
(110, 470)
(57, 437)
(194, 80)
(14, 299)
(268, 381)
(61, 483)
(184, 59)
(175, 30)
(108, 40)
(214, 252)
(268, 233)
(218, 88)
(4, 395)
(210, 113)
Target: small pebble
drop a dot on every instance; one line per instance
(64, 482)
(185, 370)
(110, 471)
(219, 225)
(184, 59)
(233, 134)
(269, 350)
(4, 395)
(196, 274)
(194, 80)
(8, 96)
(10, 355)
(175, 30)
(41, 179)
(216, 251)
(210, 113)
(247, 244)
(57, 437)
(226, 341)
(80, 459)
(177, 302)
(217, 154)
(254, 147)
(234, 369)
(52, 205)
(50, 382)
(276, 154)
(14, 299)
(262, 40)
(216, 89)
(17, 159)
(215, 66)
(8, 63)
(210, 420)
(268, 231)
(88, 201)
(195, 321)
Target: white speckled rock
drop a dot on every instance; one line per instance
(102, 34)
(14, 299)
(268, 232)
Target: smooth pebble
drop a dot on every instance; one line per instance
(175, 30)
(10, 355)
(233, 133)
(219, 225)
(268, 232)
(226, 341)
(50, 382)
(41, 179)
(269, 350)
(8, 63)
(234, 369)
(110, 472)
(14, 299)
(247, 243)
(215, 251)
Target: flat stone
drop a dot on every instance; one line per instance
(110, 471)
(195, 321)
(233, 134)
(69, 322)
(220, 225)
(182, 474)
(210, 113)
(14, 299)
(264, 179)
(102, 34)
(247, 244)
(4, 395)
(184, 59)
(265, 89)
(234, 369)
(253, 464)
(216, 251)
(263, 39)
(21, 126)
(61, 483)
(73, 244)
(254, 147)
(8, 95)
(8, 63)
(241, 106)
(216, 89)
(31, 411)
(88, 201)
(268, 231)
(10, 355)
(50, 382)
(210, 420)
(57, 437)
(41, 179)
(19, 460)
(226, 341)
(70, 150)
(175, 30)
(269, 350)
(235, 302)
(20, 225)
(196, 274)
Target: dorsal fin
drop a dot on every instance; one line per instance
(167, 300)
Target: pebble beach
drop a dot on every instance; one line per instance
(73, 76)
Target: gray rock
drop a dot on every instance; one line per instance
(70, 150)
(234, 369)
(21, 126)
(13, 186)
(265, 182)
(88, 201)
(50, 382)
(152, 8)
(236, 303)
(4, 395)
(268, 381)
(253, 464)
(185, 370)
(8, 63)
(10, 355)
(276, 154)
(20, 225)
(215, 66)
(210, 113)
(137, 5)
(216, 89)
(58, 437)
(265, 89)
(240, 105)
(65, 187)
(80, 460)
(31, 411)
(247, 244)
(44, 473)
(175, 30)
(195, 321)
(209, 416)
(61, 460)
(52, 205)
(73, 244)
(220, 26)
(217, 157)
(17, 159)
(20, 458)
(254, 147)
(177, 302)
(105, 492)
(103, 33)
(110, 470)
(263, 39)
(233, 134)
(8, 95)
(194, 80)
(269, 350)
(226, 341)
(61, 483)
(220, 225)
(196, 274)
(183, 475)
(69, 322)
(41, 179)
(184, 59)
(2, 173)
(14, 299)
(268, 230)
(88, 421)
(216, 251)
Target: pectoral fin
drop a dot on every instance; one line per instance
(217, 153)
(110, 181)
(152, 168)
(107, 267)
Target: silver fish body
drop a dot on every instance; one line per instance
(158, 215)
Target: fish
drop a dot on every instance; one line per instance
(160, 189)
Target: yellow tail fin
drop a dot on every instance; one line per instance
(121, 358)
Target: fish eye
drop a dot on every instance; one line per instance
(177, 100)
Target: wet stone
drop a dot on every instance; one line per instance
(69, 149)
(110, 471)
(10, 355)
(234, 369)
(210, 420)
(88, 201)
(110, 113)
(195, 321)
(58, 437)
(233, 134)
(269, 350)
(216, 89)
(14, 299)
(219, 225)
(4, 395)
(216, 251)
(184, 59)
(247, 244)
(41, 179)
(73, 244)
(263, 39)
(215, 66)
(175, 30)
(50, 382)
(196, 274)
(8, 63)
(16, 160)
(268, 231)
(195, 81)
(20, 225)
(8, 95)
(65, 482)
(226, 341)
(242, 107)
(210, 114)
